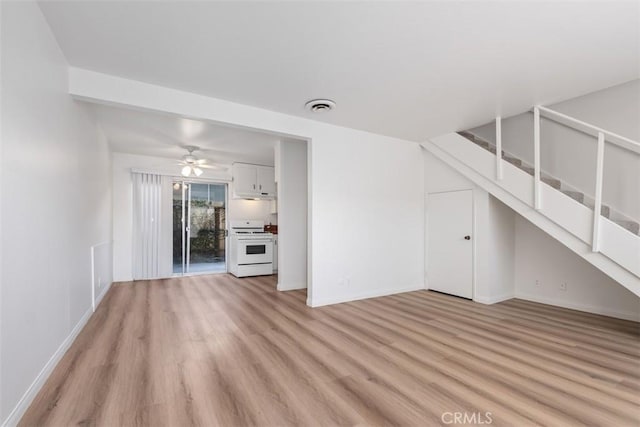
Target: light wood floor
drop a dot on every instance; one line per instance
(216, 350)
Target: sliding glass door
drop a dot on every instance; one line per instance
(199, 227)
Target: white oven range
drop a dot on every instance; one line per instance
(251, 249)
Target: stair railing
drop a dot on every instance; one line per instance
(603, 136)
(499, 173)
(536, 159)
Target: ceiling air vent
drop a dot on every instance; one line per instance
(320, 105)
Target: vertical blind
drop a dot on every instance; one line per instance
(149, 229)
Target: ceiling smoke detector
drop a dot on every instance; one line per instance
(320, 105)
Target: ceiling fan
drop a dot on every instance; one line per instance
(193, 166)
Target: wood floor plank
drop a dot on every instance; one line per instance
(221, 351)
(500, 348)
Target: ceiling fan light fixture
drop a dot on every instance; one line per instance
(186, 171)
(197, 171)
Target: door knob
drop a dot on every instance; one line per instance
(467, 237)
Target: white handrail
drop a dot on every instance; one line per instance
(587, 128)
(595, 240)
(537, 202)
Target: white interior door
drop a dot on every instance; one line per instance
(449, 248)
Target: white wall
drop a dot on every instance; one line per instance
(616, 109)
(123, 204)
(359, 183)
(368, 216)
(493, 235)
(56, 204)
(250, 209)
(501, 249)
(540, 257)
(102, 273)
(571, 155)
(291, 176)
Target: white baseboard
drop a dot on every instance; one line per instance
(494, 299)
(625, 315)
(102, 294)
(319, 302)
(26, 399)
(290, 287)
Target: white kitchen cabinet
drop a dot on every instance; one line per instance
(244, 179)
(266, 181)
(253, 181)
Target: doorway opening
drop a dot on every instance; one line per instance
(199, 228)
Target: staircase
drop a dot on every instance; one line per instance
(608, 240)
(605, 211)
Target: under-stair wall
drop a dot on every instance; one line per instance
(542, 265)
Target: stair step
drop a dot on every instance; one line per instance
(555, 183)
(481, 143)
(632, 226)
(493, 149)
(575, 195)
(605, 210)
(527, 169)
(513, 161)
(466, 134)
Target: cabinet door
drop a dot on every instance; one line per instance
(266, 181)
(244, 180)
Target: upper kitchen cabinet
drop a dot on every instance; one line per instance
(245, 178)
(266, 181)
(253, 181)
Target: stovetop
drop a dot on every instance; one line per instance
(251, 234)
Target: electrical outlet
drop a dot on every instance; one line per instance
(537, 283)
(563, 286)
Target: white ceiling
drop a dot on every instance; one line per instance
(155, 134)
(409, 70)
